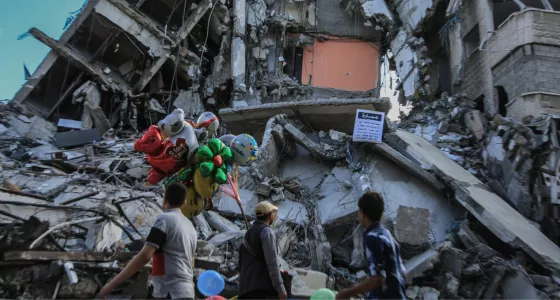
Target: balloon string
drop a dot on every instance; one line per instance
(238, 199)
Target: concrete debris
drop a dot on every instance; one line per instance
(412, 230)
(466, 182)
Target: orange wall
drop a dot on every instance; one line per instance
(345, 64)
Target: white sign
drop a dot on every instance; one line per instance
(368, 126)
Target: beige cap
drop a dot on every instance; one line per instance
(264, 208)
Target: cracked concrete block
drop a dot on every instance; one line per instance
(202, 227)
(205, 248)
(519, 286)
(304, 167)
(264, 189)
(473, 121)
(412, 229)
(292, 212)
(229, 206)
(219, 223)
(225, 237)
(453, 260)
(84, 289)
(418, 265)
(429, 293)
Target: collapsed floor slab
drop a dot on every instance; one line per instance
(491, 210)
(327, 114)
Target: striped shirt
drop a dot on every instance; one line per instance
(384, 259)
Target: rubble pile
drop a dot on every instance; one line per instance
(522, 160)
(454, 126)
(84, 212)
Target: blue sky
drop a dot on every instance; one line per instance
(16, 17)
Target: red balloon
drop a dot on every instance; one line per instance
(216, 298)
(217, 161)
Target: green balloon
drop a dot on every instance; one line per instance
(323, 294)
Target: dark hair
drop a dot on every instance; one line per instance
(263, 217)
(372, 205)
(176, 194)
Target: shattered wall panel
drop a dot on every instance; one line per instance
(332, 19)
(125, 22)
(412, 12)
(406, 59)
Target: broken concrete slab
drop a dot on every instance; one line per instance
(406, 164)
(400, 187)
(228, 206)
(219, 223)
(77, 138)
(473, 121)
(84, 289)
(292, 212)
(492, 211)
(412, 229)
(70, 124)
(309, 171)
(316, 150)
(418, 265)
(33, 128)
(326, 114)
(519, 286)
(225, 237)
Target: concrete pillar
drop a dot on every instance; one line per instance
(238, 49)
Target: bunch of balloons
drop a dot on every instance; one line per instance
(186, 152)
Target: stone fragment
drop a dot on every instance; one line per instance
(264, 189)
(202, 227)
(412, 229)
(225, 237)
(451, 286)
(443, 127)
(429, 293)
(84, 289)
(418, 265)
(219, 223)
(473, 121)
(472, 270)
(204, 248)
(412, 292)
(453, 261)
(519, 286)
(467, 237)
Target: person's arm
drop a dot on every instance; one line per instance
(269, 248)
(155, 240)
(362, 288)
(375, 253)
(139, 261)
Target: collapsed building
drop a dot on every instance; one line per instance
(468, 176)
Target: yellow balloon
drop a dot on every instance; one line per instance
(194, 204)
(204, 186)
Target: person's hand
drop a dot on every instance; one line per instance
(283, 296)
(341, 296)
(105, 291)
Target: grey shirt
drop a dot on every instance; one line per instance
(174, 237)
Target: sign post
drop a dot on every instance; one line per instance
(368, 126)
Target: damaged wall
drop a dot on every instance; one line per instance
(341, 64)
(531, 26)
(332, 19)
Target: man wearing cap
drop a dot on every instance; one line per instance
(259, 276)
